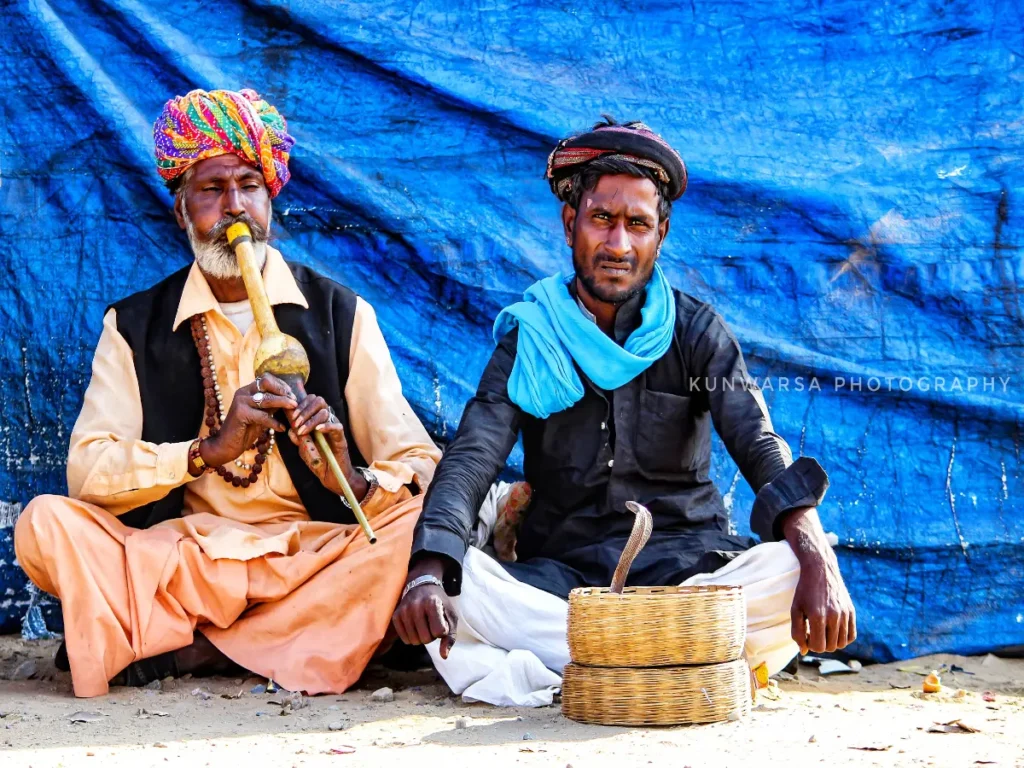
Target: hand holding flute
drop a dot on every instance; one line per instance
(312, 418)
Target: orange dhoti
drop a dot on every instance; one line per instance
(304, 603)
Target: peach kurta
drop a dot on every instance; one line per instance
(303, 602)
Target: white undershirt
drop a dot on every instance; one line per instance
(239, 313)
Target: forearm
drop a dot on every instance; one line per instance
(780, 485)
(452, 504)
(383, 426)
(120, 474)
(401, 478)
(823, 616)
(742, 421)
(429, 564)
(803, 531)
(802, 484)
(486, 435)
(109, 464)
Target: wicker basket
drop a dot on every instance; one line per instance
(658, 696)
(656, 626)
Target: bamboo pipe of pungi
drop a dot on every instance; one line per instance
(282, 355)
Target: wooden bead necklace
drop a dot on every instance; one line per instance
(215, 415)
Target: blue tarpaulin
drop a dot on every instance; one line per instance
(854, 211)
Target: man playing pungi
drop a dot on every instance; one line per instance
(194, 534)
(614, 380)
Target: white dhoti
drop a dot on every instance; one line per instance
(511, 643)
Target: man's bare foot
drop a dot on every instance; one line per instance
(200, 659)
(511, 507)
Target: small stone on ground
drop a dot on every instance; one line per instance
(25, 671)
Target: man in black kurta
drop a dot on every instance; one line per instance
(646, 439)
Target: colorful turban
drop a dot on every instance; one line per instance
(207, 124)
(632, 142)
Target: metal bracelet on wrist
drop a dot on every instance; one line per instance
(419, 581)
(371, 486)
(195, 459)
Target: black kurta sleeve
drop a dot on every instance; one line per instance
(486, 435)
(741, 418)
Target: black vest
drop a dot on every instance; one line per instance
(171, 387)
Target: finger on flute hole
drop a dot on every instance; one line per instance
(270, 384)
(316, 421)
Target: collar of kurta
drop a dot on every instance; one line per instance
(197, 297)
(627, 319)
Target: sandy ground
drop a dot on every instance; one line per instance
(876, 717)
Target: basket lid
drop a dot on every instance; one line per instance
(654, 592)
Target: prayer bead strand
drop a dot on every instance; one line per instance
(215, 414)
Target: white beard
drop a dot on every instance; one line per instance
(217, 259)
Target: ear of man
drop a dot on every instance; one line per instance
(568, 222)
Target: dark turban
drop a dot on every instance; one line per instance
(633, 142)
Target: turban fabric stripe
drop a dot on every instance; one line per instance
(633, 142)
(205, 124)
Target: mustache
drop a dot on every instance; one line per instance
(603, 258)
(218, 230)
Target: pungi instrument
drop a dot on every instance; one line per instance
(282, 355)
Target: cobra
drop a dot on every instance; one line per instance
(642, 527)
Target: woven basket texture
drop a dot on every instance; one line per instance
(656, 696)
(656, 626)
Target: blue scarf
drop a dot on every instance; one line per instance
(553, 333)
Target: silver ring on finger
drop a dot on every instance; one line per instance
(258, 398)
(259, 384)
(333, 419)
